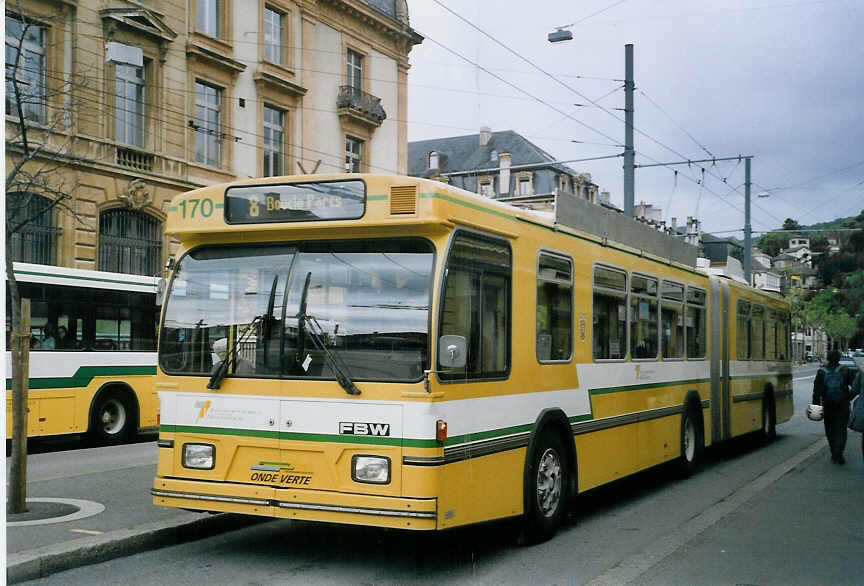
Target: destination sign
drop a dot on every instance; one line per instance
(295, 202)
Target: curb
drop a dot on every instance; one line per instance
(44, 561)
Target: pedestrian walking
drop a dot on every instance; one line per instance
(831, 390)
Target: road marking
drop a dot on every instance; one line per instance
(629, 570)
(87, 531)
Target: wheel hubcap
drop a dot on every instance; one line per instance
(689, 440)
(549, 481)
(113, 416)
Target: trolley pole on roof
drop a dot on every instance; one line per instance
(748, 232)
(629, 152)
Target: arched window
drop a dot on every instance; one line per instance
(129, 242)
(36, 240)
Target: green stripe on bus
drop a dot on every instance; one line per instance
(79, 278)
(84, 375)
(376, 198)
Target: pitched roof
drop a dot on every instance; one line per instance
(465, 153)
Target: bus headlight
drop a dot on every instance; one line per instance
(370, 469)
(198, 456)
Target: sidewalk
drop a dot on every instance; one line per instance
(117, 478)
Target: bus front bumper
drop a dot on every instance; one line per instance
(301, 504)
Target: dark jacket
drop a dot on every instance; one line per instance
(819, 383)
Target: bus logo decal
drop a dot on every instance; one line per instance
(359, 428)
(204, 406)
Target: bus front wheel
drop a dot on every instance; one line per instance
(547, 481)
(112, 421)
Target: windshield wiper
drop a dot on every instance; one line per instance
(231, 355)
(308, 324)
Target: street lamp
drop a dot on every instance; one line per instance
(559, 35)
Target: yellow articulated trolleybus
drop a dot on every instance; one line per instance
(93, 352)
(396, 352)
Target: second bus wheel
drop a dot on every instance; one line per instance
(112, 420)
(546, 482)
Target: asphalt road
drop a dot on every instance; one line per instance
(748, 517)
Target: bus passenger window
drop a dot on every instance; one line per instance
(672, 320)
(609, 321)
(476, 305)
(554, 308)
(643, 317)
(757, 332)
(695, 323)
(742, 338)
(770, 334)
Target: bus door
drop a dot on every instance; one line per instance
(720, 400)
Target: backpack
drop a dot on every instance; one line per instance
(835, 384)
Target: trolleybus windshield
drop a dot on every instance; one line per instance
(366, 302)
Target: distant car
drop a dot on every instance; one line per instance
(859, 353)
(849, 363)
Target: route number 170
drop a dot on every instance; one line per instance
(190, 207)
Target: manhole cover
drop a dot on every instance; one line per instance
(45, 511)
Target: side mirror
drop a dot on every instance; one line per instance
(161, 286)
(452, 351)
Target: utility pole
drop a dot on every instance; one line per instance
(748, 233)
(629, 152)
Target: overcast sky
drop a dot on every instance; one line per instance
(782, 80)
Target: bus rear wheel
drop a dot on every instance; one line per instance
(112, 421)
(692, 442)
(546, 482)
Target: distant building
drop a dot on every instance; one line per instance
(501, 165)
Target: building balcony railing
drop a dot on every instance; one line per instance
(364, 107)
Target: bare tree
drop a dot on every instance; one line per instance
(39, 146)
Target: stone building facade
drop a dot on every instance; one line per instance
(137, 101)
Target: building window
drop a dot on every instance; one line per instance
(353, 154)
(274, 142)
(485, 188)
(434, 161)
(355, 70)
(129, 104)
(209, 17)
(524, 184)
(208, 121)
(29, 40)
(643, 317)
(476, 305)
(36, 240)
(554, 308)
(129, 242)
(609, 320)
(274, 31)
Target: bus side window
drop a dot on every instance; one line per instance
(643, 317)
(672, 320)
(695, 320)
(743, 340)
(609, 319)
(757, 332)
(554, 308)
(476, 305)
